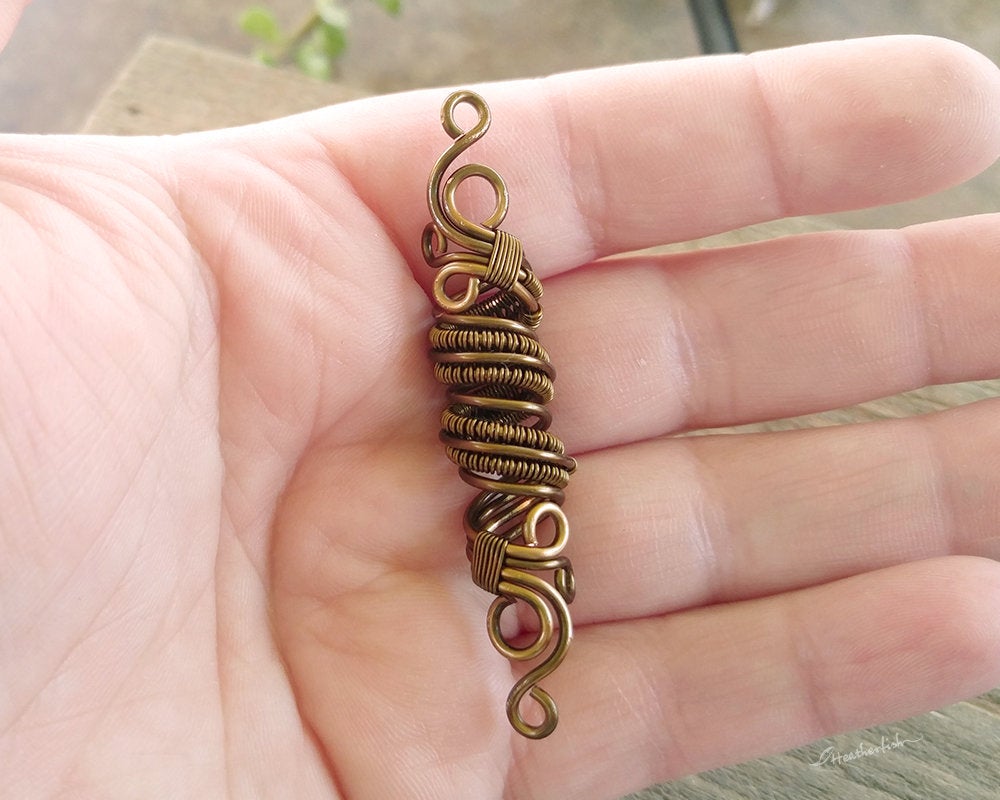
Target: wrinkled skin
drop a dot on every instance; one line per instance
(231, 560)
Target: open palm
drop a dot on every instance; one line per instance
(231, 558)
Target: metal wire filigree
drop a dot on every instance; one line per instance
(495, 426)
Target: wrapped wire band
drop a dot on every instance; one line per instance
(495, 426)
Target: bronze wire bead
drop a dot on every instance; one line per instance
(499, 379)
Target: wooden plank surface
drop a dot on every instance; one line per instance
(172, 86)
(951, 754)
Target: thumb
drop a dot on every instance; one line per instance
(10, 13)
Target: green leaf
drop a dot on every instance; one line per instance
(333, 14)
(260, 23)
(334, 41)
(314, 61)
(266, 58)
(392, 7)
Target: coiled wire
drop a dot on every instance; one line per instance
(495, 426)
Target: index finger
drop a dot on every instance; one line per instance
(609, 160)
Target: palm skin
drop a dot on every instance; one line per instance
(232, 561)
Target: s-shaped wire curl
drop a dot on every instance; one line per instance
(495, 426)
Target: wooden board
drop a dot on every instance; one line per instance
(172, 86)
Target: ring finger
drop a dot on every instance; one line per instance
(678, 523)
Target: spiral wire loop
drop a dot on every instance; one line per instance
(495, 426)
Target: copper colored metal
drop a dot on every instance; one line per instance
(495, 426)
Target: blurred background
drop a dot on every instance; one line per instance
(66, 55)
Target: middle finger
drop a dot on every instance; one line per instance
(653, 344)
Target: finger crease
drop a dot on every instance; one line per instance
(911, 281)
(808, 664)
(591, 215)
(768, 131)
(711, 527)
(943, 499)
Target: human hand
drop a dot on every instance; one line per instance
(232, 561)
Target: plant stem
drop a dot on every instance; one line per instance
(307, 26)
